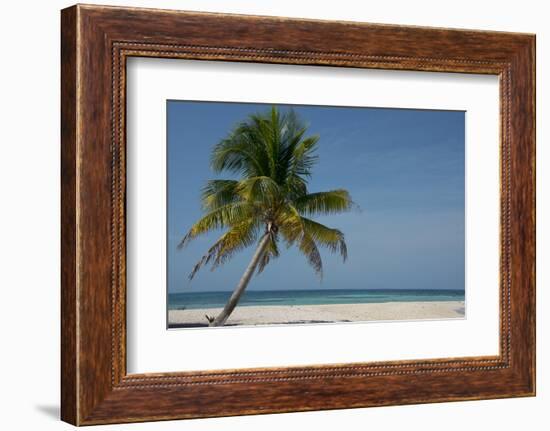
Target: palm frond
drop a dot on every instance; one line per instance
(292, 133)
(224, 216)
(308, 234)
(235, 239)
(310, 250)
(239, 153)
(322, 203)
(331, 238)
(295, 187)
(262, 189)
(290, 224)
(218, 193)
(304, 157)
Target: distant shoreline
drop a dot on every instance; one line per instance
(324, 313)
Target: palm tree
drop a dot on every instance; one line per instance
(273, 159)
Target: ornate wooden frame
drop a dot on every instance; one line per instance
(95, 43)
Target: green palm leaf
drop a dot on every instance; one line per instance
(259, 189)
(224, 216)
(324, 203)
(333, 239)
(218, 193)
(235, 239)
(309, 249)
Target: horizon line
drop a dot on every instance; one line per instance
(306, 290)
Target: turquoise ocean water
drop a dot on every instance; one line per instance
(198, 300)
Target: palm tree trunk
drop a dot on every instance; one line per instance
(239, 290)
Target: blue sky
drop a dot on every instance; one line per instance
(404, 168)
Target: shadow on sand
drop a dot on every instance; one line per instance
(295, 322)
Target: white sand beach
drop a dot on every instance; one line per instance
(329, 313)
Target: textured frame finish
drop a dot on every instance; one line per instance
(95, 43)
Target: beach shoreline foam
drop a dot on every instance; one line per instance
(324, 313)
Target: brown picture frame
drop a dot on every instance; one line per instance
(95, 43)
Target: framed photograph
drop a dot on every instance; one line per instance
(267, 215)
